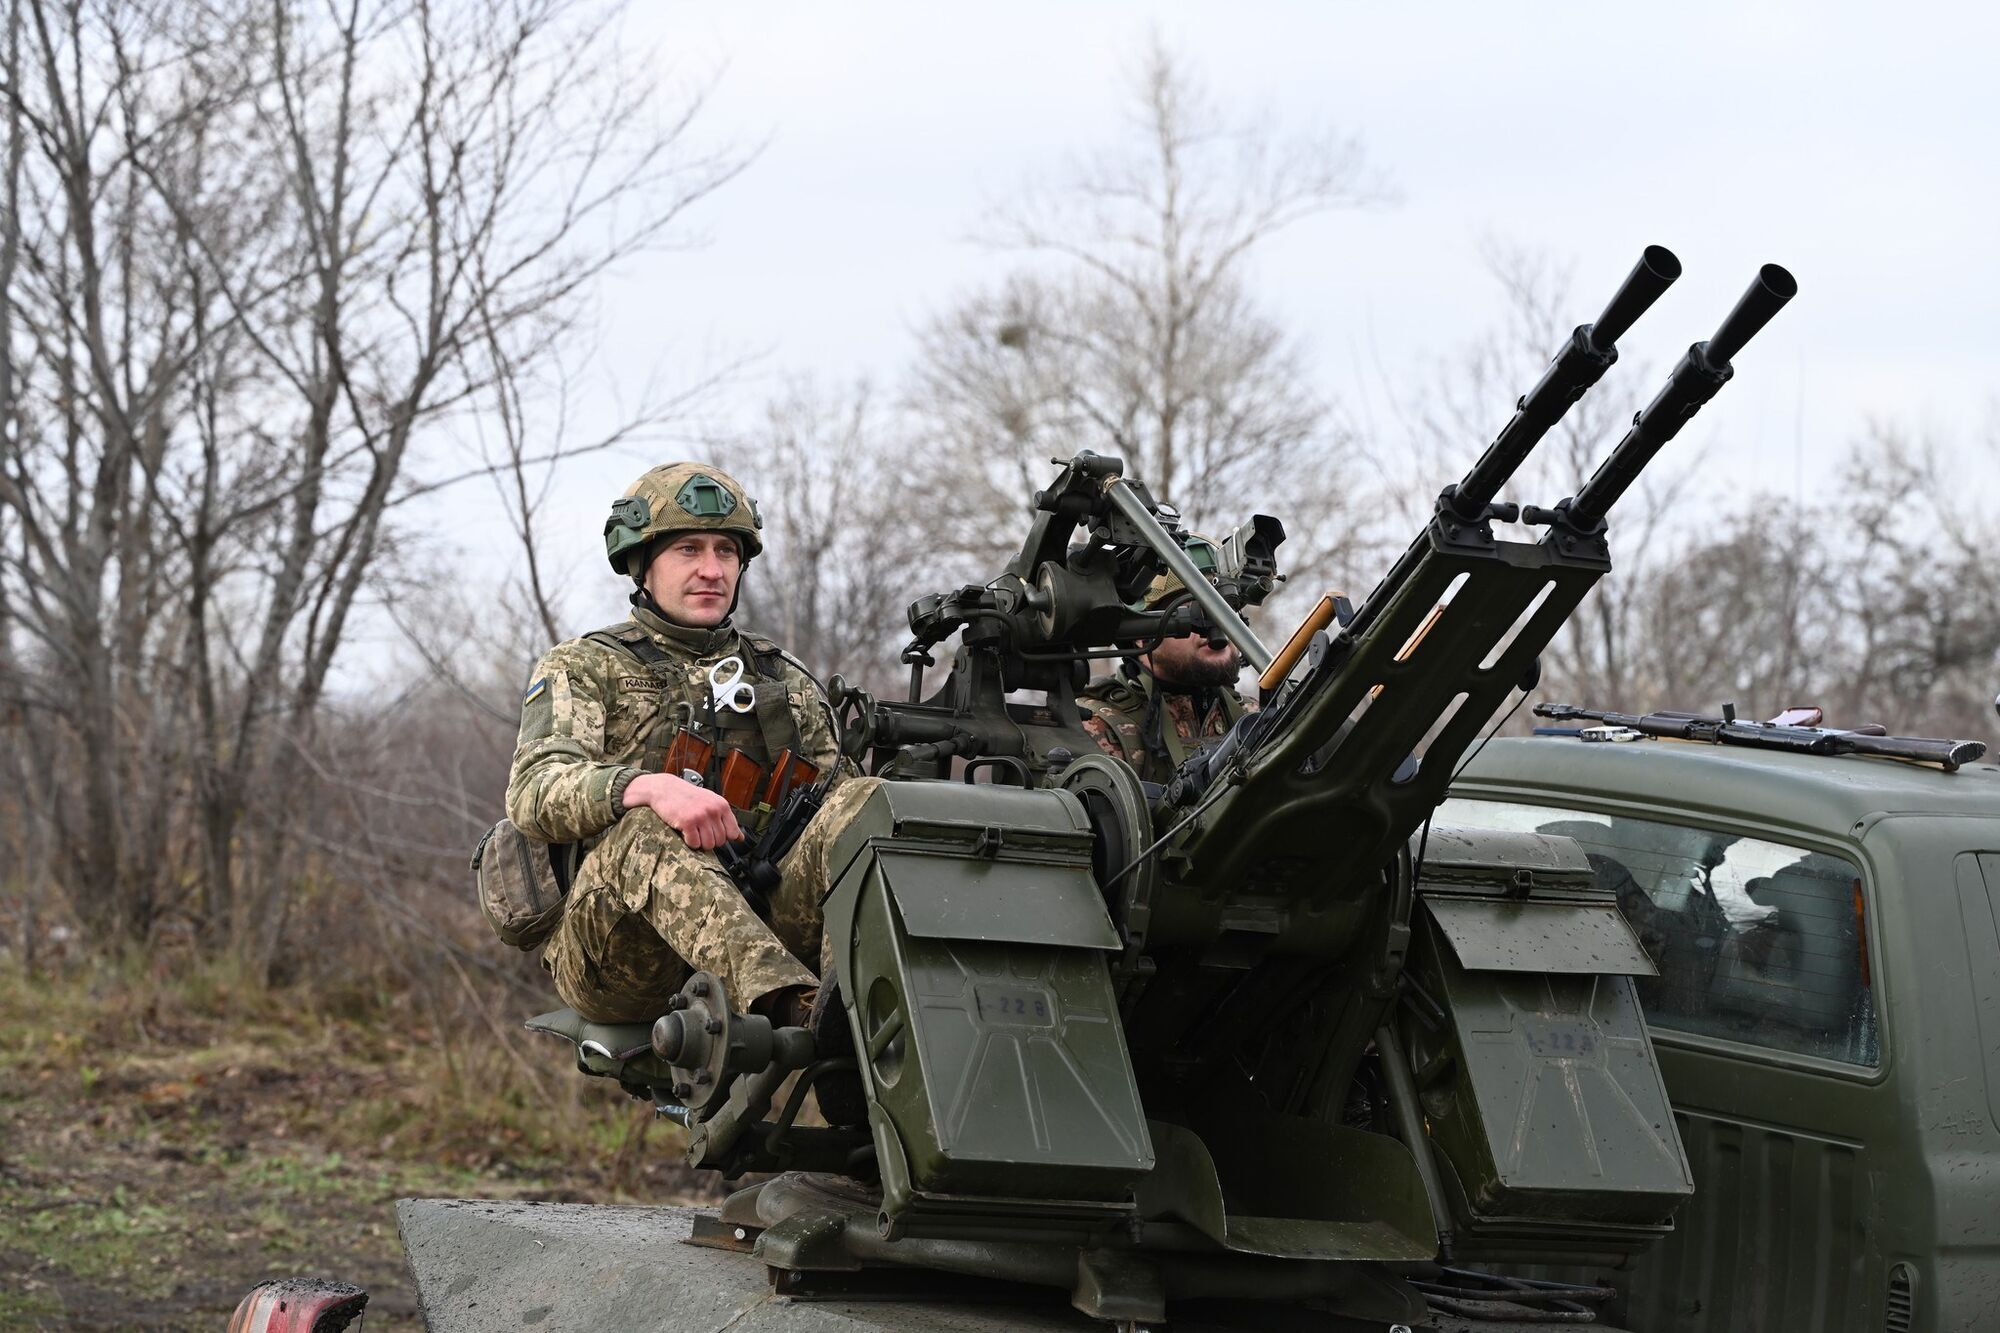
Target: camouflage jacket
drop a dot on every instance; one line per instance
(597, 714)
(1152, 729)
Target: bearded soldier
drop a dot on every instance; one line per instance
(650, 901)
(1158, 707)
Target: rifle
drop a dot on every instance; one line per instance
(753, 863)
(1731, 730)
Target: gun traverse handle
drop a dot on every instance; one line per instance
(1288, 656)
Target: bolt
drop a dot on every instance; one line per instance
(677, 1001)
(713, 1027)
(699, 987)
(683, 1090)
(703, 1078)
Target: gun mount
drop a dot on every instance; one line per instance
(1262, 1033)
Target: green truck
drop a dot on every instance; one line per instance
(1826, 1016)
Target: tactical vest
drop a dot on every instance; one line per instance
(685, 697)
(1124, 698)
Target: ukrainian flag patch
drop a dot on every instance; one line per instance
(535, 691)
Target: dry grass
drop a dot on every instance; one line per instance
(171, 1134)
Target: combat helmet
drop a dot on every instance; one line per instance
(1166, 583)
(679, 497)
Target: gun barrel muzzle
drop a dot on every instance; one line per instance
(1580, 364)
(1695, 380)
(1652, 275)
(1767, 295)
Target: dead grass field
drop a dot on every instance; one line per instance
(168, 1141)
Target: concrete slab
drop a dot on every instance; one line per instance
(494, 1267)
(484, 1266)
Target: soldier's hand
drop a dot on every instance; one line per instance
(703, 819)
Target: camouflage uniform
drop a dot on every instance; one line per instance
(644, 908)
(1132, 718)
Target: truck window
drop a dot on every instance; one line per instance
(1756, 941)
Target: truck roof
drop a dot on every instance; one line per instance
(1829, 792)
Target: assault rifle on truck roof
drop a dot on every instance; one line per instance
(1732, 730)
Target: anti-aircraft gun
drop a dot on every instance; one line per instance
(1261, 1033)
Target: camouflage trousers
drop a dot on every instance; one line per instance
(646, 910)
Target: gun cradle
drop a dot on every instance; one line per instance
(1460, 633)
(1007, 1106)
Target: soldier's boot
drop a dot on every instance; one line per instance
(839, 1093)
(790, 1007)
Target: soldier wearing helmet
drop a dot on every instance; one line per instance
(1159, 706)
(649, 900)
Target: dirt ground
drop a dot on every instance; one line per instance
(161, 1153)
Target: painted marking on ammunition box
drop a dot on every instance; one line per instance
(1022, 1006)
(1560, 1042)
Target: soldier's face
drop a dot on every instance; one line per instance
(1190, 663)
(693, 577)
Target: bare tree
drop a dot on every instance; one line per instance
(1878, 606)
(1131, 329)
(271, 253)
(845, 549)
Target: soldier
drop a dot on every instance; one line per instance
(650, 902)
(1156, 708)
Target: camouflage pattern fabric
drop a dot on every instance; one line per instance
(679, 497)
(644, 908)
(591, 708)
(1117, 707)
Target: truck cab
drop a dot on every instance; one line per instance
(1826, 1014)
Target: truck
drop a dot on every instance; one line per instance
(1827, 1017)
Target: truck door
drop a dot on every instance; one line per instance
(1766, 1023)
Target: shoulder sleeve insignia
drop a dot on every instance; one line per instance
(536, 691)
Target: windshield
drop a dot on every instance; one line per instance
(1756, 941)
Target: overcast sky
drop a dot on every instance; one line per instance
(1857, 145)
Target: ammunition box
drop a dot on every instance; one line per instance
(971, 940)
(1540, 1089)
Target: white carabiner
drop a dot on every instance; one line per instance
(731, 691)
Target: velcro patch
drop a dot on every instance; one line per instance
(536, 691)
